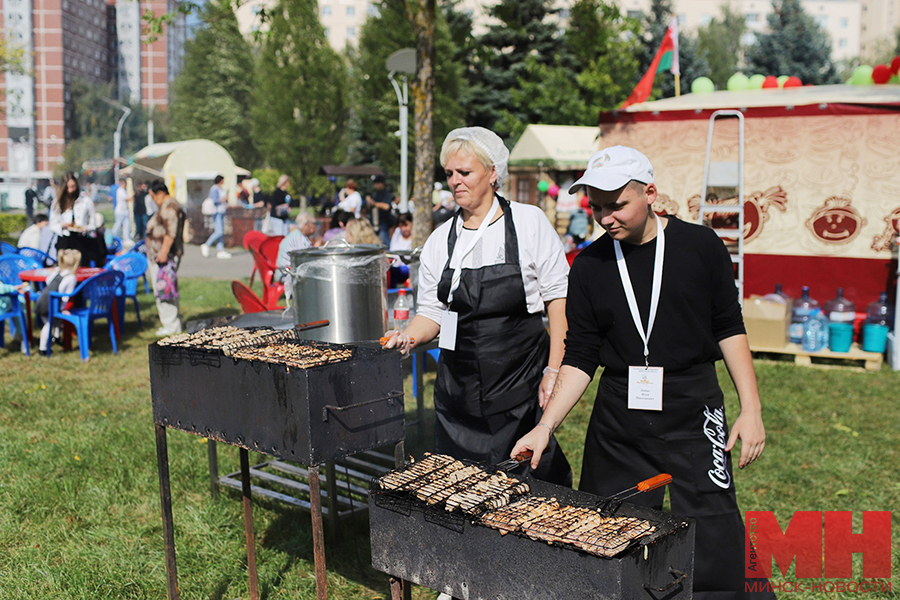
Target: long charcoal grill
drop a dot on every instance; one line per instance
(456, 554)
(309, 415)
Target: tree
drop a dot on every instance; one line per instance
(693, 65)
(300, 102)
(12, 59)
(605, 47)
(719, 42)
(794, 45)
(213, 94)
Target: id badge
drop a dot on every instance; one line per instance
(447, 340)
(645, 387)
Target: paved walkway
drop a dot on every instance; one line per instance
(239, 266)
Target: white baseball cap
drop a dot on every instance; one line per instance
(613, 167)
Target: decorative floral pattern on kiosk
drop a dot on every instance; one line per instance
(836, 222)
(882, 241)
(756, 211)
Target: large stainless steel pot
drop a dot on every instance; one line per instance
(344, 284)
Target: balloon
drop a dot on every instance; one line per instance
(553, 190)
(793, 82)
(881, 74)
(862, 75)
(895, 65)
(756, 81)
(738, 83)
(702, 85)
(771, 82)
(543, 186)
(781, 80)
(585, 203)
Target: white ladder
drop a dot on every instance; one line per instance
(725, 176)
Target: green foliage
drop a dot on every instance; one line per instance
(213, 94)
(691, 62)
(11, 225)
(719, 42)
(794, 45)
(301, 99)
(606, 47)
(12, 58)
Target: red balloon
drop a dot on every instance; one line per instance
(770, 82)
(881, 74)
(792, 82)
(585, 202)
(895, 65)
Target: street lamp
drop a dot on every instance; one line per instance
(402, 61)
(117, 136)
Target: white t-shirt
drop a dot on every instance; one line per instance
(81, 214)
(121, 201)
(398, 242)
(545, 271)
(352, 202)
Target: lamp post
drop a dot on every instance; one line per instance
(402, 61)
(117, 136)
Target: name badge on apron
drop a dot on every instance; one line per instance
(447, 341)
(645, 388)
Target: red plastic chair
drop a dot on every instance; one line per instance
(252, 239)
(272, 290)
(250, 302)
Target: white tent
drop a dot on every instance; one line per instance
(559, 147)
(188, 168)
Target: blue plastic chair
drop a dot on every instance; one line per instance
(141, 248)
(12, 264)
(7, 248)
(39, 255)
(133, 266)
(98, 296)
(114, 246)
(16, 311)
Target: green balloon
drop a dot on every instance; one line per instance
(543, 186)
(756, 81)
(702, 85)
(782, 79)
(738, 83)
(862, 75)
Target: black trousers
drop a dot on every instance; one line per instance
(686, 439)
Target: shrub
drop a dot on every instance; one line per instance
(11, 225)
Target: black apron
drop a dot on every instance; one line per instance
(486, 392)
(685, 439)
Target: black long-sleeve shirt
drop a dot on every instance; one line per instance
(698, 304)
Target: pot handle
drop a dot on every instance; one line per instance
(336, 241)
(679, 579)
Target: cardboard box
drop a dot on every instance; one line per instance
(766, 322)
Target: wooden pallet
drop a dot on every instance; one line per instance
(856, 357)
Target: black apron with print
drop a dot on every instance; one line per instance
(486, 392)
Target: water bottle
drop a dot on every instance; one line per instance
(778, 296)
(800, 312)
(815, 331)
(401, 311)
(880, 312)
(839, 309)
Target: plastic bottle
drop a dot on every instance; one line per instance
(880, 312)
(800, 311)
(815, 331)
(778, 296)
(401, 311)
(839, 309)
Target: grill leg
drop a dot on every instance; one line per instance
(315, 502)
(165, 500)
(400, 590)
(248, 524)
(213, 468)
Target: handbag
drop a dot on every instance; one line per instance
(208, 208)
(167, 282)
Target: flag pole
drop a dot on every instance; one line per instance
(677, 84)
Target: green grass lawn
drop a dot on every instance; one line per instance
(79, 498)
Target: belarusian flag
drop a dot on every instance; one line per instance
(666, 59)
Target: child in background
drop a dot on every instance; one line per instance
(62, 280)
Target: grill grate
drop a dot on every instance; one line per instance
(584, 528)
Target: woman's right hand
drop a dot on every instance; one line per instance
(398, 339)
(535, 440)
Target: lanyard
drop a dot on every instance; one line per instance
(654, 295)
(457, 258)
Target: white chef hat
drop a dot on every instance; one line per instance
(489, 142)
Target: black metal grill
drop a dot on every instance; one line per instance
(464, 557)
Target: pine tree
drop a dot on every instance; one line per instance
(794, 45)
(300, 107)
(719, 42)
(213, 93)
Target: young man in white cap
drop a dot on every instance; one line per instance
(654, 302)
